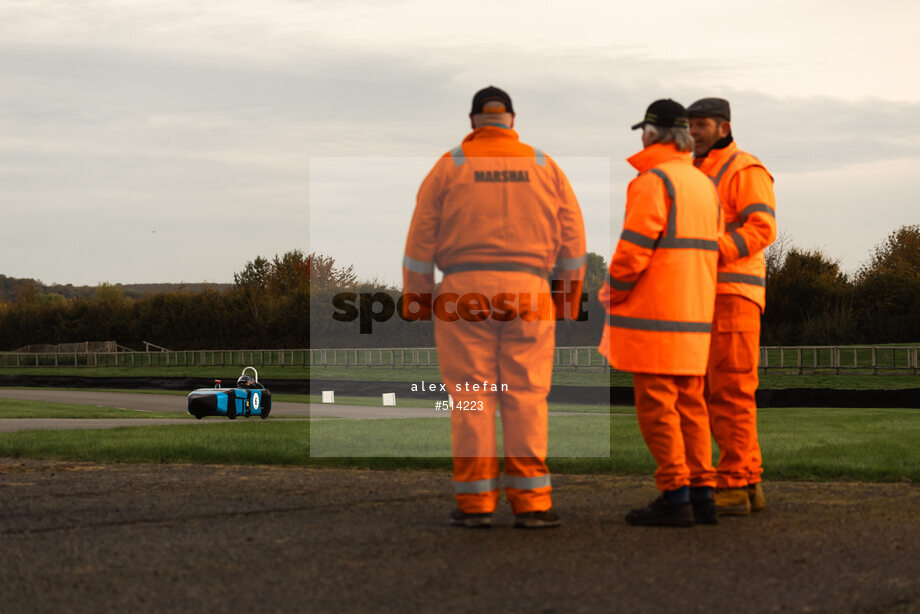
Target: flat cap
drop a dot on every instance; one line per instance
(711, 107)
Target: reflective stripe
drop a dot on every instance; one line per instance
(638, 239)
(568, 264)
(494, 266)
(539, 156)
(418, 266)
(672, 214)
(457, 154)
(540, 481)
(746, 213)
(616, 284)
(661, 326)
(718, 178)
(740, 278)
(669, 240)
(472, 488)
(755, 208)
(675, 243)
(740, 244)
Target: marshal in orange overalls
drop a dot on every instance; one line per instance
(497, 216)
(748, 204)
(659, 296)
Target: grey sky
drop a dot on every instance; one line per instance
(173, 141)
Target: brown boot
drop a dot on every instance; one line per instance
(755, 494)
(732, 501)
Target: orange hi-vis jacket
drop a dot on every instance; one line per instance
(661, 288)
(749, 207)
(494, 203)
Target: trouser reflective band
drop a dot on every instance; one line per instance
(471, 488)
(540, 481)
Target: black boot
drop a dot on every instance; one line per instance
(704, 512)
(662, 513)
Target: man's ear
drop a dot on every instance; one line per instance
(725, 128)
(512, 120)
(472, 125)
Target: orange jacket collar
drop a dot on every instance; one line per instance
(653, 155)
(716, 158)
(492, 132)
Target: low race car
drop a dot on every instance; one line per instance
(249, 398)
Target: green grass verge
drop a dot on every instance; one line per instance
(14, 408)
(228, 374)
(403, 401)
(797, 443)
(117, 390)
(566, 377)
(774, 381)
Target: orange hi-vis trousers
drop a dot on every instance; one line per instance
(672, 417)
(731, 384)
(517, 353)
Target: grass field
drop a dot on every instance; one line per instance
(375, 401)
(562, 376)
(11, 408)
(797, 443)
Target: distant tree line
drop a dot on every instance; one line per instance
(811, 301)
(266, 307)
(290, 300)
(14, 288)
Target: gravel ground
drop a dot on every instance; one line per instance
(84, 537)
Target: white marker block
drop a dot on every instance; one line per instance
(450, 401)
(328, 396)
(389, 398)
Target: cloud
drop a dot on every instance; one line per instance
(121, 136)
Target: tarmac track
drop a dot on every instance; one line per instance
(175, 403)
(83, 537)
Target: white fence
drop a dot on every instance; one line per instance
(787, 359)
(867, 359)
(574, 357)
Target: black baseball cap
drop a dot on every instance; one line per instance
(665, 113)
(711, 107)
(491, 94)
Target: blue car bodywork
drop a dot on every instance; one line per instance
(254, 400)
